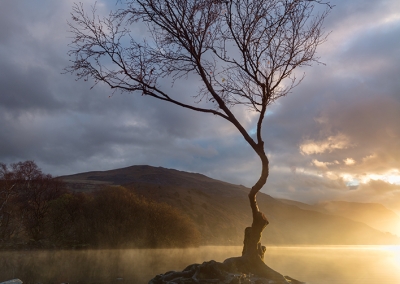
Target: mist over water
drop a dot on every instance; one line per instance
(338, 264)
(315, 265)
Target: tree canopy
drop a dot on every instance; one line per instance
(243, 52)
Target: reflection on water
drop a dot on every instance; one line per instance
(339, 264)
(315, 265)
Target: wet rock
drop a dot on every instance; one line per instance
(12, 281)
(215, 273)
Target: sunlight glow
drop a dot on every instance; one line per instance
(392, 176)
(347, 177)
(349, 161)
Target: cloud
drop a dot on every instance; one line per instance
(320, 164)
(349, 161)
(380, 186)
(329, 144)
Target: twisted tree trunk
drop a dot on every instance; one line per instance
(252, 259)
(251, 245)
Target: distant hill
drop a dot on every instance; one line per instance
(374, 215)
(221, 210)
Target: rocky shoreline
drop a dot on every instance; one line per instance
(212, 272)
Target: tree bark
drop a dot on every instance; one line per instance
(252, 241)
(252, 259)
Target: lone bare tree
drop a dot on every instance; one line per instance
(244, 52)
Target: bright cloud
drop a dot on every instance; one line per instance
(329, 144)
(331, 175)
(392, 176)
(319, 164)
(349, 161)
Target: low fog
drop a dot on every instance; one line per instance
(315, 265)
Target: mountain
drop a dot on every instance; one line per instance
(374, 215)
(221, 210)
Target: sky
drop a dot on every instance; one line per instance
(335, 137)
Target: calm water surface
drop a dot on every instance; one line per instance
(314, 265)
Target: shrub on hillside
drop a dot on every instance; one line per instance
(25, 197)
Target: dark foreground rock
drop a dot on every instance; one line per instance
(13, 281)
(216, 273)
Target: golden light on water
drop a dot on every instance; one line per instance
(311, 264)
(338, 264)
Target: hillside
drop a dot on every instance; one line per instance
(221, 210)
(374, 215)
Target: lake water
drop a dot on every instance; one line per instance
(314, 265)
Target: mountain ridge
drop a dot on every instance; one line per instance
(221, 210)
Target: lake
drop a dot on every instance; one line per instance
(312, 264)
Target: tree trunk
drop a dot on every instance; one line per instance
(251, 245)
(252, 259)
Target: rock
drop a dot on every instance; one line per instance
(13, 281)
(215, 273)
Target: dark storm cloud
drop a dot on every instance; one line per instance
(36, 87)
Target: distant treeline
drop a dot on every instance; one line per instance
(37, 211)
